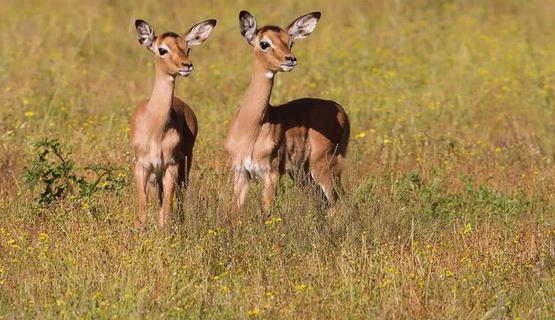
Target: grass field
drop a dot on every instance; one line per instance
(449, 211)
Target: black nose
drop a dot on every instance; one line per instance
(187, 65)
(291, 58)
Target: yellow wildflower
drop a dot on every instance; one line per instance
(29, 114)
(254, 312)
(300, 287)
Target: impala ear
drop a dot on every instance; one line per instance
(200, 32)
(247, 26)
(304, 25)
(145, 33)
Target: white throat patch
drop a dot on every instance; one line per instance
(270, 74)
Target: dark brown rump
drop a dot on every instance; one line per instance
(326, 117)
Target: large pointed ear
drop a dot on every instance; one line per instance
(145, 33)
(247, 25)
(200, 32)
(304, 25)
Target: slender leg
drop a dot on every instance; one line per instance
(322, 165)
(329, 184)
(141, 177)
(240, 188)
(169, 181)
(182, 180)
(270, 182)
(325, 181)
(154, 189)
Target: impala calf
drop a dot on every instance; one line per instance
(164, 128)
(307, 137)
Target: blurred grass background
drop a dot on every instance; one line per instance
(449, 210)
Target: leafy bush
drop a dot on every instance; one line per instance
(56, 176)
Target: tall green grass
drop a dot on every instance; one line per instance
(450, 187)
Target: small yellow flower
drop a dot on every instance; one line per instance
(498, 149)
(360, 135)
(13, 244)
(43, 237)
(29, 114)
(300, 287)
(467, 229)
(25, 101)
(386, 283)
(254, 312)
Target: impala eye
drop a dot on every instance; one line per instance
(291, 45)
(264, 45)
(188, 51)
(162, 51)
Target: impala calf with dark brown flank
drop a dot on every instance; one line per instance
(306, 138)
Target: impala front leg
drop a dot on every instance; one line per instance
(141, 177)
(270, 182)
(240, 188)
(169, 180)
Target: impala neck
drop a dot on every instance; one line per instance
(256, 102)
(161, 100)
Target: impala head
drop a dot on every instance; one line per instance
(171, 51)
(272, 45)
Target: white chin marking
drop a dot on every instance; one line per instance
(270, 74)
(286, 68)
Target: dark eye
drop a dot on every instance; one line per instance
(162, 51)
(188, 51)
(291, 45)
(264, 45)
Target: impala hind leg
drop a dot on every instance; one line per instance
(326, 170)
(325, 181)
(141, 178)
(240, 187)
(169, 181)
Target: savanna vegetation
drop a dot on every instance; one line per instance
(449, 204)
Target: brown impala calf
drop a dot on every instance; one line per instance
(307, 137)
(164, 128)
